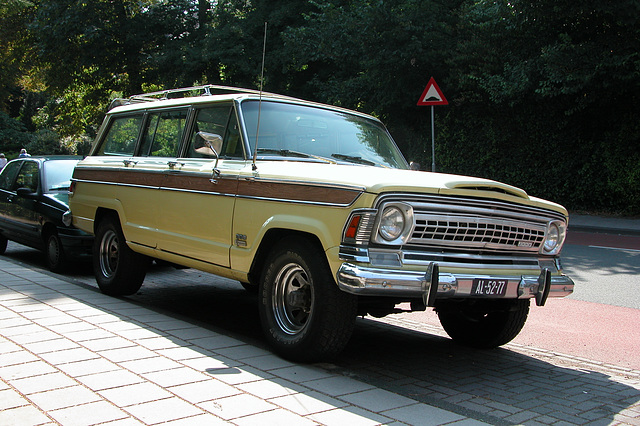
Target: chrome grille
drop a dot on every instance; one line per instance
(477, 232)
(471, 224)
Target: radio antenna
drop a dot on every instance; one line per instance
(264, 49)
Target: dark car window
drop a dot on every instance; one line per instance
(8, 176)
(28, 177)
(163, 133)
(122, 136)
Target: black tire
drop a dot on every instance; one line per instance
(54, 255)
(3, 244)
(484, 324)
(305, 316)
(119, 270)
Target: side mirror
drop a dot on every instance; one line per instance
(26, 193)
(414, 165)
(212, 144)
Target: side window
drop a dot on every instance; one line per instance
(28, 177)
(122, 136)
(216, 127)
(8, 175)
(163, 133)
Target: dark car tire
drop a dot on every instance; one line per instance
(54, 255)
(486, 324)
(3, 244)
(304, 315)
(119, 270)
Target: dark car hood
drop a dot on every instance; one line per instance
(59, 199)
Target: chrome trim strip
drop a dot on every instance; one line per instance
(283, 200)
(397, 283)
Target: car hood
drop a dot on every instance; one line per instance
(61, 199)
(379, 180)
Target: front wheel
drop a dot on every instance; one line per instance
(483, 324)
(304, 315)
(119, 270)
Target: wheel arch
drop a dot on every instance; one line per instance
(270, 239)
(101, 213)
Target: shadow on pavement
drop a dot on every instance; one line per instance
(502, 386)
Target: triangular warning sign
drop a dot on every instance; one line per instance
(432, 95)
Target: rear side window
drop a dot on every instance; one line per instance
(163, 133)
(122, 136)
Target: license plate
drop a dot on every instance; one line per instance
(487, 287)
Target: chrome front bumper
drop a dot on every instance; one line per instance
(388, 282)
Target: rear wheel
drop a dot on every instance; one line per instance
(119, 270)
(483, 324)
(54, 253)
(304, 315)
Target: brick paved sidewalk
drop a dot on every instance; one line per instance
(72, 356)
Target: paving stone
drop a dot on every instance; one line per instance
(149, 365)
(237, 406)
(68, 355)
(43, 383)
(377, 400)
(422, 414)
(175, 376)
(338, 385)
(163, 410)
(135, 394)
(109, 379)
(99, 412)
(204, 391)
(23, 416)
(91, 366)
(276, 418)
(9, 398)
(352, 416)
(62, 398)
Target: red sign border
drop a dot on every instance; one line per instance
(432, 82)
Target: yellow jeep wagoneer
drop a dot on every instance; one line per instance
(314, 207)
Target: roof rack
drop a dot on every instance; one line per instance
(206, 90)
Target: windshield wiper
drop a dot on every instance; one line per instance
(353, 159)
(289, 153)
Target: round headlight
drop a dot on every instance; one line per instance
(553, 238)
(391, 223)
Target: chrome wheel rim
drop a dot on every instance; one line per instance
(109, 254)
(292, 299)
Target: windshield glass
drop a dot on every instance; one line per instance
(308, 133)
(57, 175)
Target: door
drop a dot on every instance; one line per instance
(199, 188)
(18, 217)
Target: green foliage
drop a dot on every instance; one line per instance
(543, 95)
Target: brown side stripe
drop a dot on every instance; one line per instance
(281, 191)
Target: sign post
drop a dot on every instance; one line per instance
(432, 96)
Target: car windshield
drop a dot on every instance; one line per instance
(310, 133)
(57, 175)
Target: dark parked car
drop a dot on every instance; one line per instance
(33, 197)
